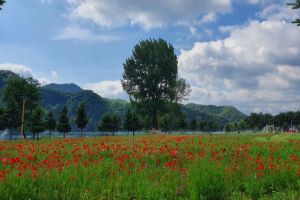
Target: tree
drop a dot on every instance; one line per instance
(81, 117)
(1, 3)
(17, 91)
(3, 119)
(131, 122)
(183, 124)
(109, 122)
(295, 5)
(228, 128)
(50, 123)
(115, 123)
(242, 125)
(151, 78)
(105, 124)
(128, 121)
(194, 125)
(285, 127)
(37, 122)
(165, 123)
(63, 125)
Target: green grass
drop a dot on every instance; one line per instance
(220, 167)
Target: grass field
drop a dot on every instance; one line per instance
(152, 167)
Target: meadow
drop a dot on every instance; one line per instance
(196, 166)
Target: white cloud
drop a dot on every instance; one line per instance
(54, 74)
(24, 71)
(279, 12)
(256, 66)
(17, 68)
(76, 33)
(109, 89)
(148, 14)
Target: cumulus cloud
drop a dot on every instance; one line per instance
(148, 14)
(23, 71)
(76, 33)
(257, 67)
(17, 68)
(109, 89)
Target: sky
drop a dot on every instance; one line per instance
(241, 53)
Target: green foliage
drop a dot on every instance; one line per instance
(220, 115)
(63, 125)
(165, 123)
(207, 183)
(183, 125)
(257, 121)
(37, 122)
(50, 122)
(131, 122)
(295, 5)
(81, 117)
(1, 3)
(151, 77)
(109, 122)
(3, 119)
(194, 125)
(15, 91)
(55, 97)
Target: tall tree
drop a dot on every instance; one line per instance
(81, 117)
(295, 5)
(50, 123)
(194, 125)
(37, 122)
(1, 3)
(136, 124)
(115, 123)
(63, 125)
(17, 91)
(3, 119)
(105, 123)
(165, 123)
(151, 77)
(128, 121)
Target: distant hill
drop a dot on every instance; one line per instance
(219, 114)
(55, 96)
(70, 88)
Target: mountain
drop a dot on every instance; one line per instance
(69, 88)
(55, 96)
(219, 114)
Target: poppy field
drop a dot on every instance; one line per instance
(152, 167)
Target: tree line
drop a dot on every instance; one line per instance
(257, 121)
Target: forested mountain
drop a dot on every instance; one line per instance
(55, 96)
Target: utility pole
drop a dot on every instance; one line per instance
(22, 119)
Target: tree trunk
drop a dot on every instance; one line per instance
(33, 135)
(24, 135)
(81, 132)
(64, 135)
(37, 135)
(113, 132)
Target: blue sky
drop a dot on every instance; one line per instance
(243, 53)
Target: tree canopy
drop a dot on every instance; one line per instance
(1, 3)
(63, 125)
(81, 117)
(17, 90)
(151, 77)
(295, 5)
(50, 123)
(37, 122)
